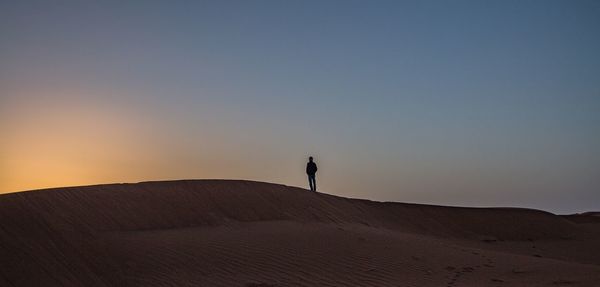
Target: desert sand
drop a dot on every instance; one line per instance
(244, 233)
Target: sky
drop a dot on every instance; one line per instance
(463, 103)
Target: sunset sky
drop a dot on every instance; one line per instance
(469, 103)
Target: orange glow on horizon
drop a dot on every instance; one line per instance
(65, 139)
(59, 141)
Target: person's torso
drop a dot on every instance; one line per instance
(311, 168)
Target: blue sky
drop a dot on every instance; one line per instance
(471, 103)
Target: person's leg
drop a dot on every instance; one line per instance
(314, 179)
(310, 182)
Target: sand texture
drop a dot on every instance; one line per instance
(244, 233)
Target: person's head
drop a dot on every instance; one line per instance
(310, 158)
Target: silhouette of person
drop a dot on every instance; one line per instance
(311, 170)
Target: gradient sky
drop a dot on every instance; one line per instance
(470, 103)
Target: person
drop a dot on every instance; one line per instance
(311, 170)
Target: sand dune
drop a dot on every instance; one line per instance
(243, 233)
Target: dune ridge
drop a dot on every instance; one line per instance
(240, 233)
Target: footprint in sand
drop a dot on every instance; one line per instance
(459, 273)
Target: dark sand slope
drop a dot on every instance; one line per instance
(241, 233)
